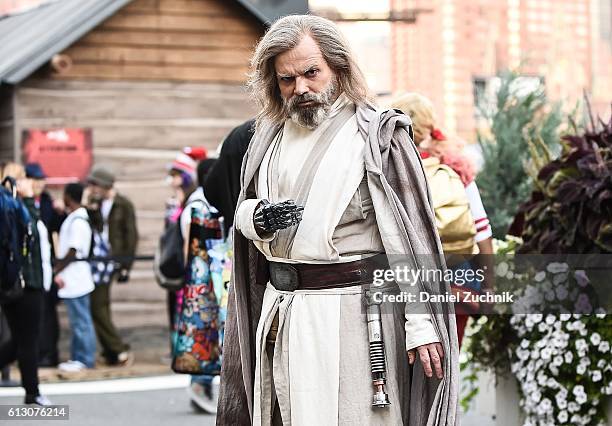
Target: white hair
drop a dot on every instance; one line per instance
(284, 35)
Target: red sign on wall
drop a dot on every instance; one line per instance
(65, 155)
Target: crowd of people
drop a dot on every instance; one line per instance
(91, 221)
(329, 182)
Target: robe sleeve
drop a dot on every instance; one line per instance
(401, 166)
(244, 221)
(419, 331)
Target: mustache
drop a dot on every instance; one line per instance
(322, 98)
(317, 98)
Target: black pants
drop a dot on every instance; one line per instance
(23, 317)
(171, 305)
(107, 333)
(49, 331)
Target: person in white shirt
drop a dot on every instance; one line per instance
(74, 280)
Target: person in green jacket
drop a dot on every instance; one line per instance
(113, 218)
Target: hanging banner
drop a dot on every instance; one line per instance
(65, 155)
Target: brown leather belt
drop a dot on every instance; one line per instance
(303, 276)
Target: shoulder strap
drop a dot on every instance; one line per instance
(195, 201)
(93, 232)
(203, 201)
(12, 183)
(189, 203)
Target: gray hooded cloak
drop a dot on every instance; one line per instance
(403, 209)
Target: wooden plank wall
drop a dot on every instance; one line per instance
(178, 40)
(137, 128)
(6, 123)
(157, 76)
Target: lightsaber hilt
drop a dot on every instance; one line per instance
(378, 361)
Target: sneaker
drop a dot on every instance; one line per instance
(205, 396)
(38, 400)
(124, 359)
(72, 366)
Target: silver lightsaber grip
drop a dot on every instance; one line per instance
(378, 362)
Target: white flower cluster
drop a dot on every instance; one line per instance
(556, 288)
(559, 362)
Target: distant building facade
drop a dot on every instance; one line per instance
(457, 44)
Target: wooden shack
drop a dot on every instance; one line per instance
(148, 77)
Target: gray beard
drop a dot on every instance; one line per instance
(311, 117)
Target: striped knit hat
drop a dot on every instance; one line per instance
(184, 163)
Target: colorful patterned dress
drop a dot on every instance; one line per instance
(200, 323)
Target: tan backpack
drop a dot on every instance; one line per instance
(452, 210)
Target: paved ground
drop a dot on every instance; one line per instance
(139, 312)
(139, 408)
(150, 408)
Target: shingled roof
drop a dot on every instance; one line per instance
(268, 11)
(30, 39)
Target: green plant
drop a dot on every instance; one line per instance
(563, 362)
(570, 210)
(518, 116)
(563, 365)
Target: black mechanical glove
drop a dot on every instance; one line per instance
(272, 217)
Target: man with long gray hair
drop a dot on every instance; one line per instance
(328, 183)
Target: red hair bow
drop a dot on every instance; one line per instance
(437, 135)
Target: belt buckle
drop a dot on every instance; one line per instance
(284, 276)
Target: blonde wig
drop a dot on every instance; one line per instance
(429, 138)
(421, 112)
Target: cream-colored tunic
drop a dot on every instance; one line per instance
(338, 223)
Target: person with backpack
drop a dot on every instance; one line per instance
(461, 218)
(204, 388)
(170, 275)
(74, 280)
(175, 261)
(22, 308)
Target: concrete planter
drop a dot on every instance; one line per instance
(507, 410)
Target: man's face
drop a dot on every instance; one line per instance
(67, 203)
(307, 84)
(97, 192)
(38, 186)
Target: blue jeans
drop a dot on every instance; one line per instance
(473, 284)
(203, 379)
(83, 344)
